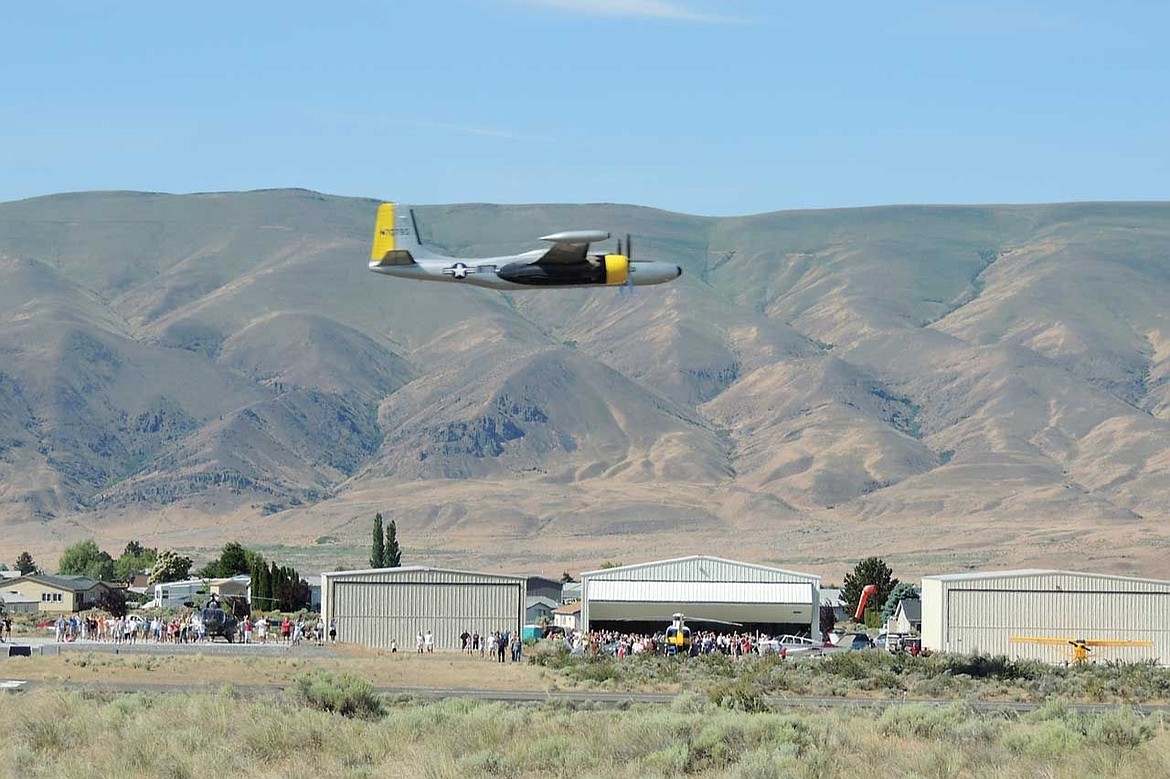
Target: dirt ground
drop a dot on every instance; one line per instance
(439, 671)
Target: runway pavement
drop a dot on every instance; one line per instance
(46, 647)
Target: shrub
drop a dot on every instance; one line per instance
(1121, 730)
(738, 695)
(340, 693)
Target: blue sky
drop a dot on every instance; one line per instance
(700, 106)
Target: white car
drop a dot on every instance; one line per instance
(793, 645)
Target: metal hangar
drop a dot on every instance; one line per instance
(711, 592)
(374, 607)
(1044, 614)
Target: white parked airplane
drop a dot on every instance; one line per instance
(567, 263)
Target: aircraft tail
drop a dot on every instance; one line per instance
(396, 237)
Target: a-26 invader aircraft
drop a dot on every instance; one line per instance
(567, 263)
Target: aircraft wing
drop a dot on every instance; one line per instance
(569, 248)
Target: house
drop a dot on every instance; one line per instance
(907, 616)
(15, 603)
(58, 594)
(538, 609)
(568, 616)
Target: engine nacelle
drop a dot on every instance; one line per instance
(617, 269)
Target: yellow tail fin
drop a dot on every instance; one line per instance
(383, 232)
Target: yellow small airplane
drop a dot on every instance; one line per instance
(1079, 647)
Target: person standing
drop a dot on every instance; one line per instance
(418, 642)
(332, 631)
(429, 641)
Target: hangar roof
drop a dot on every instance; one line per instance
(405, 570)
(1023, 573)
(700, 568)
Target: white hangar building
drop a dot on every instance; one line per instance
(374, 607)
(991, 612)
(711, 593)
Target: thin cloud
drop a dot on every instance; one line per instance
(641, 9)
(482, 132)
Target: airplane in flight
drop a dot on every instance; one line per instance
(397, 251)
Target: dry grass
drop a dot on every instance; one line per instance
(68, 733)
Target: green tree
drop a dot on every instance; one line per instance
(25, 564)
(170, 567)
(135, 557)
(255, 583)
(900, 592)
(871, 570)
(85, 559)
(392, 555)
(113, 601)
(233, 559)
(378, 548)
(567, 578)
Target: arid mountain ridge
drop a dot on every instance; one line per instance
(947, 387)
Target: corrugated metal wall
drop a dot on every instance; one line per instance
(373, 608)
(983, 614)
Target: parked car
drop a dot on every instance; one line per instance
(855, 641)
(793, 645)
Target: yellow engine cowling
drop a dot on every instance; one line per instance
(617, 269)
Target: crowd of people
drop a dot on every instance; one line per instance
(496, 645)
(621, 644)
(186, 628)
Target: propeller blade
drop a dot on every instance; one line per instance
(619, 251)
(629, 247)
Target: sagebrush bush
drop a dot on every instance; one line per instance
(50, 733)
(338, 693)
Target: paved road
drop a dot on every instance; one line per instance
(48, 647)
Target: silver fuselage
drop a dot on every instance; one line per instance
(486, 272)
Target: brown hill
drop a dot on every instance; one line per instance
(942, 386)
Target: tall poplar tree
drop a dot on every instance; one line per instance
(392, 556)
(378, 549)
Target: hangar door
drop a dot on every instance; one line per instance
(985, 620)
(372, 613)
